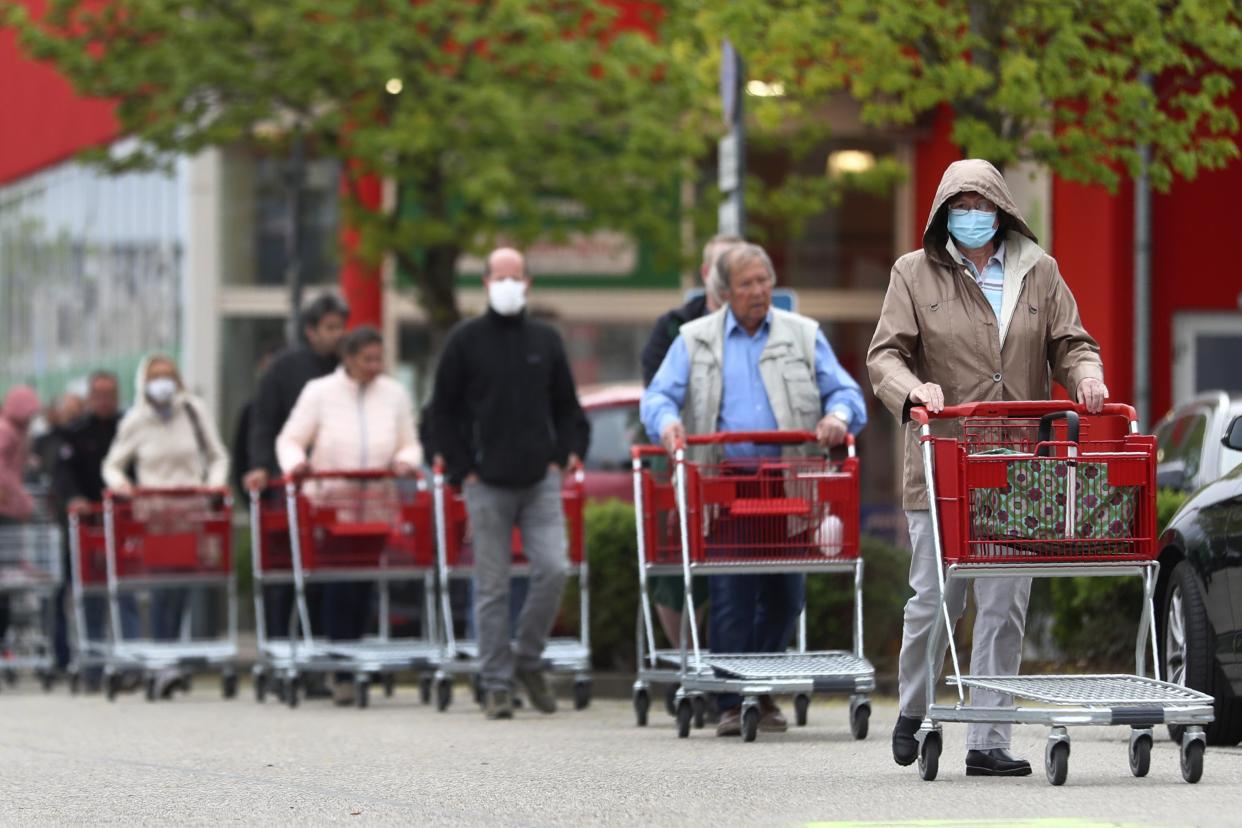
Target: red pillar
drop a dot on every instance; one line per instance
(361, 283)
(1093, 242)
(932, 156)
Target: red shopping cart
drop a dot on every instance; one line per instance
(562, 655)
(30, 580)
(88, 567)
(168, 543)
(364, 526)
(1044, 489)
(796, 512)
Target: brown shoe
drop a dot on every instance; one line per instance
(730, 722)
(771, 720)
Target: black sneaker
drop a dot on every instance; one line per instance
(498, 704)
(905, 746)
(995, 762)
(541, 696)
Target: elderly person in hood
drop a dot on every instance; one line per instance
(979, 313)
(21, 405)
(171, 441)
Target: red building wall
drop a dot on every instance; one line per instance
(42, 120)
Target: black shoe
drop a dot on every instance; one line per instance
(498, 704)
(905, 746)
(995, 762)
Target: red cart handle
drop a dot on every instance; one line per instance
(723, 437)
(1032, 408)
(169, 491)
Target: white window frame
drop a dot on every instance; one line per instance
(1188, 326)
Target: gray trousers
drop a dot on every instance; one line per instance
(1000, 621)
(537, 512)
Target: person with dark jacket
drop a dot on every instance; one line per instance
(667, 591)
(323, 324)
(507, 421)
(78, 482)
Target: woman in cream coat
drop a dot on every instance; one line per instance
(353, 419)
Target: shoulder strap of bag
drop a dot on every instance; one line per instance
(199, 437)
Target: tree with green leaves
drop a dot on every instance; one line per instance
(493, 116)
(1073, 85)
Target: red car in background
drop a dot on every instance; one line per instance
(613, 412)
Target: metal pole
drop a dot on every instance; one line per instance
(1142, 283)
(295, 180)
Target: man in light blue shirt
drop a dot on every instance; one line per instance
(748, 367)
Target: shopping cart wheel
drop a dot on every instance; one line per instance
(11, 677)
(685, 712)
(929, 756)
(802, 704)
(260, 687)
(390, 685)
(228, 685)
(75, 684)
(477, 683)
(642, 703)
(444, 694)
(47, 680)
(1192, 758)
(112, 686)
(1056, 761)
(582, 695)
(700, 712)
(670, 699)
(1140, 755)
(750, 724)
(425, 685)
(362, 691)
(860, 721)
(151, 696)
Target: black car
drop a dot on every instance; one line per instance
(1199, 597)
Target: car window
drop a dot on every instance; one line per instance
(613, 431)
(1180, 449)
(1230, 459)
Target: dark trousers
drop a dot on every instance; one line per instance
(346, 612)
(753, 614)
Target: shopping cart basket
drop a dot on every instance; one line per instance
(562, 655)
(1043, 489)
(362, 526)
(30, 579)
(165, 539)
(791, 514)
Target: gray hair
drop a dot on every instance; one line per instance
(734, 259)
(712, 251)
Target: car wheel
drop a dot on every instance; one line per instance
(1187, 657)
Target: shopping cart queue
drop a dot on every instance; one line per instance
(744, 404)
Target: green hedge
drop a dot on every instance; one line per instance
(1095, 620)
(612, 554)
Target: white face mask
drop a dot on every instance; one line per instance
(161, 389)
(506, 296)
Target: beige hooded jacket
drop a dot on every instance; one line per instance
(171, 447)
(937, 326)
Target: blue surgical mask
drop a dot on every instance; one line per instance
(971, 228)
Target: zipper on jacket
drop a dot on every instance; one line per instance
(362, 428)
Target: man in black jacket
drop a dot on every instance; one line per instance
(78, 482)
(323, 323)
(506, 419)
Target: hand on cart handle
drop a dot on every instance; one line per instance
(1092, 393)
(299, 472)
(401, 469)
(673, 438)
(255, 480)
(930, 395)
(831, 431)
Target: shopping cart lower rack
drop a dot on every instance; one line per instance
(1093, 480)
(30, 582)
(792, 514)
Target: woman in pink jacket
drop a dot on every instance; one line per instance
(354, 418)
(20, 406)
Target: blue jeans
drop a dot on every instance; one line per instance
(753, 614)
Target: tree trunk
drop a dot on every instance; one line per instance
(437, 282)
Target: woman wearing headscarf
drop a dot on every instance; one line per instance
(21, 405)
(979, 313)
(170, 441)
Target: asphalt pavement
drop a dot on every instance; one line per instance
(200, 759)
